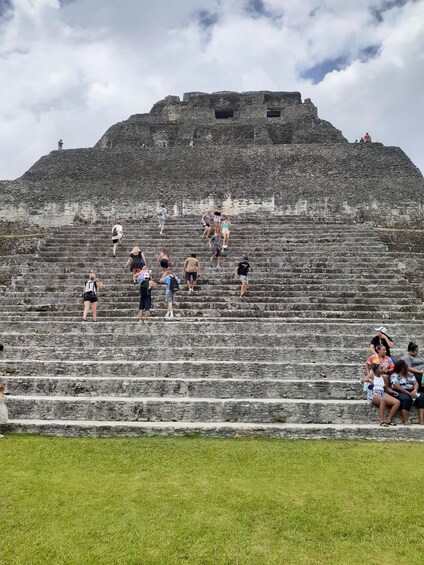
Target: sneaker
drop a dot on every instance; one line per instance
(171, 315)
(167, 316)
(83, 320)
(211, 260)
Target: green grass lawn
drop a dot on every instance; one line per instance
(193, 500)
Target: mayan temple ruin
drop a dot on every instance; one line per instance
(322, 221)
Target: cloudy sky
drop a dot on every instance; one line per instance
(72, 68)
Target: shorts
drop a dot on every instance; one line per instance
(225, 231)
(164, 263)
(136, 265)
(169, 297)
(244, 279)
(205, 225)
(217, 219)
(145, 303)
(372, 393)
(89, 297)
(190, 276)
(115, 240)
(162, 220)
(216, 252)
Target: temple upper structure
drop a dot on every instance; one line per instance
(225, 118)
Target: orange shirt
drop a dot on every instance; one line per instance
(387, 363)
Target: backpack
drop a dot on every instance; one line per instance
(173, 283)
(114, 231)
(144, 289)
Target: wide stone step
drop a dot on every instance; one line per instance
(285, 287)
(253, 326)
(204, 300)
(319, 252)
(211, 291)
(199, 339)
(203, 429)
(221, 369)
(152, 409)
(181, 387)
(244, 313)
(191, 351)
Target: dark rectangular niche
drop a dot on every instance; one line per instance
(273, 114)
(224, 114)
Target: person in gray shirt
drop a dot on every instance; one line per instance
(415, 362)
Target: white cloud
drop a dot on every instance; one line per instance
(73, 71)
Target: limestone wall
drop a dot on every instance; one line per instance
(360, 182)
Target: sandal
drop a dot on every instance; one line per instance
(391, 424)
(384, 425)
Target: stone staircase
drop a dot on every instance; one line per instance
(284, 362)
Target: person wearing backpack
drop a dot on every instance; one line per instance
(90, 291)
(146, 285)
(172, 286)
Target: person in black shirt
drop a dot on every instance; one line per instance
(242, 271)
(381, 338)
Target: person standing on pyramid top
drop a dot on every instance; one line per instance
(367, 138)
(117, 236)
(162, 215)
(60, 145)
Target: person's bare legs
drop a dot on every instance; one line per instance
(114, 246)
(405, 416)
(421, 415)
(244, 287)
(395, 403)
(94, 310)
(86, 309)
(218, 260)
(380, 402)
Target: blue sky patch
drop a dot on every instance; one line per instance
(207, 19)
(369, 52)
(318, 72)
(386, 6)
(257, 9)
(5, 7)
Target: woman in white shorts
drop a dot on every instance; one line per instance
(225, 230)
(377, 395)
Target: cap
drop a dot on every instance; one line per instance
(381, 329)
